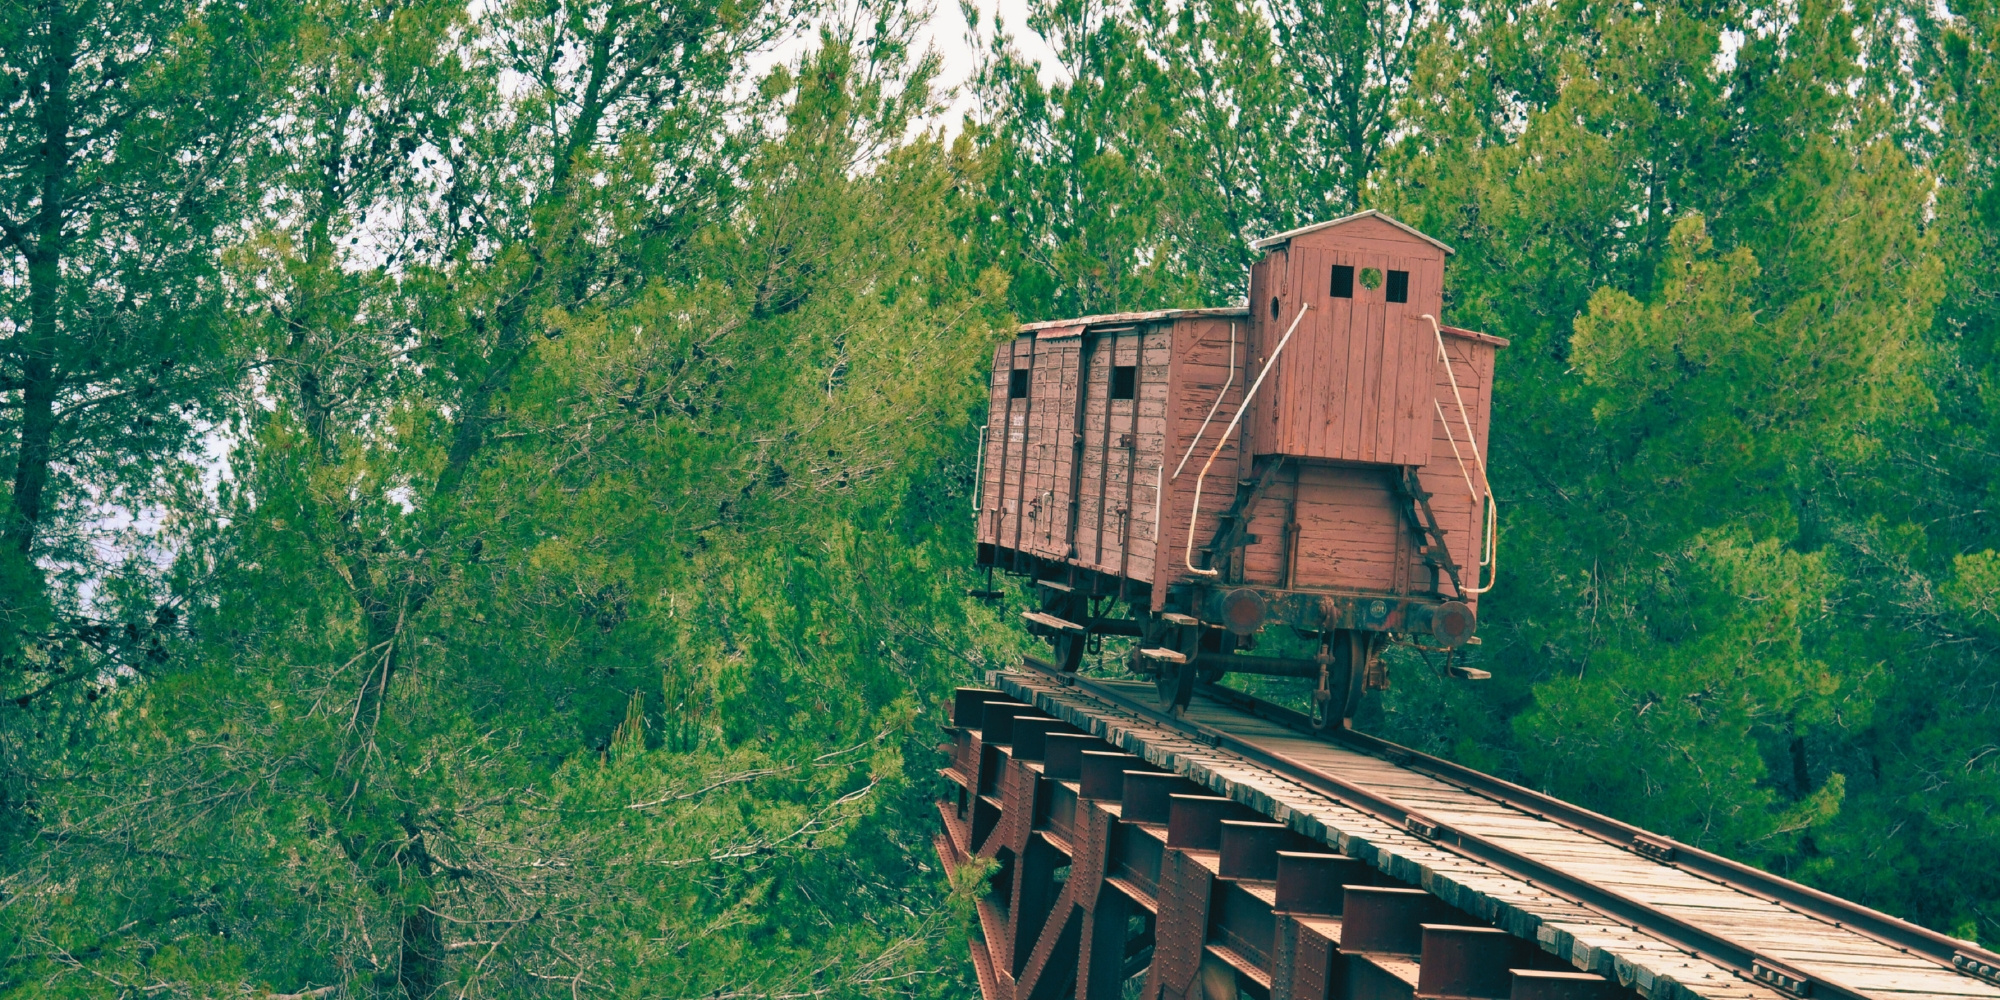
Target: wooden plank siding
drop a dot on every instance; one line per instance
(1115, 510)
(1004, 465)
(1348, 532)
(1047, 484)
(1199, 370)
(1348, 386)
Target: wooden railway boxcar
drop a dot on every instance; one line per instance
(1314, 458)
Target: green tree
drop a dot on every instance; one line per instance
(1076, 185)
(585, 572)
(1350, 63)
(615, 689)
(123, 130)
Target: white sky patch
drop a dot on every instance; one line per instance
(403, 496)
(960, 48)
(946, 31)
(1731, 42)
(947, 34)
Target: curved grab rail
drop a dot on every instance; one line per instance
(1194, 514)
(1489, 551)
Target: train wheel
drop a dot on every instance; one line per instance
(1339, 692)
(1067, 650)
(1176, 684)
(1175, 687)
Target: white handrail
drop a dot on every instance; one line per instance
(1214, 407)
(1194, 514)
(1159, 488)
(979, 474)
(1453, 441)
(1490, 550)
(1445, 356)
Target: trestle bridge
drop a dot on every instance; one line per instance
(1232, 851)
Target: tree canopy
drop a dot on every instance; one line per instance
(488, 484)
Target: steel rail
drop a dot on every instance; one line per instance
(1695, 939)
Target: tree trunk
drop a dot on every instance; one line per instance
(41, 381)
(420, 971)
(1801, 774)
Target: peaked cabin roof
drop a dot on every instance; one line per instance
(1054, 328)
(1285, 237)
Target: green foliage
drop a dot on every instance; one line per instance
(582, 577)
(1729, 508)
(585, 581)
(1974, 590)
(1674, 730)
(124, 131)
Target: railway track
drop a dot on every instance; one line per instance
(1231, 852)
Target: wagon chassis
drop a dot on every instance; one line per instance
(1201, 632)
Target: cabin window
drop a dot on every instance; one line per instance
(1343, 281)
(1274, 307)
(1017, 384)
(1399, 286)
(1124, 381)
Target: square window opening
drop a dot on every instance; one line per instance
(1125, 382)
(1343, 281)
(1017, 384)
(1399, 286)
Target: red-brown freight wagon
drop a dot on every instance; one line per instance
(1123, 470)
